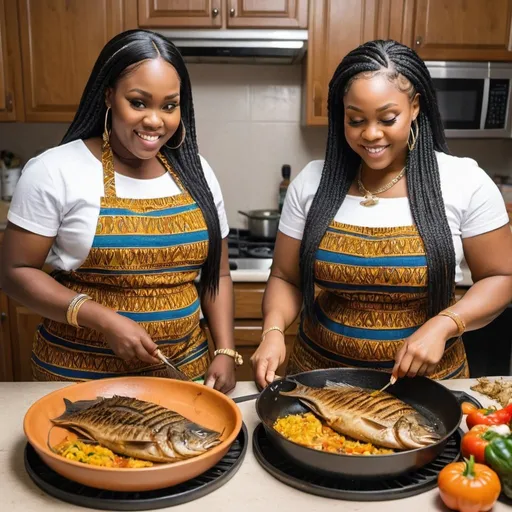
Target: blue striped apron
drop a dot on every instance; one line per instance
(144, 259)
(373, 296)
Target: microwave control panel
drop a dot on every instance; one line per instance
(497, 106)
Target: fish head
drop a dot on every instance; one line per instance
(414, 432)
(190, 439)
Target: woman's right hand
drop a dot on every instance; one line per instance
(268, 357)
(129, 340)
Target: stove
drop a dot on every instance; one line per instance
(249, 253)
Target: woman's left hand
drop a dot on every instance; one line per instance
(421, 352)
(221, 374)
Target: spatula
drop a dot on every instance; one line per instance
(392, 380)
(172, 371)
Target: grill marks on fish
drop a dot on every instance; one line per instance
(138, 429)
(382, 420)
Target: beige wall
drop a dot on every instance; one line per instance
(248, 123)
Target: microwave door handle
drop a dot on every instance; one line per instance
(485, 103)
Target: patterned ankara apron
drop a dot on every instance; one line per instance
(143, 261)
(373, 295)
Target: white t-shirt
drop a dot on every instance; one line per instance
(473, 203)
(59, 194)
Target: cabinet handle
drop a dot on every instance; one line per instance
(215, 12)
(419, 40)
(232, 12)
(8, 102)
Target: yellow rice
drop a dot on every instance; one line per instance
(97, 455)
(307, 430)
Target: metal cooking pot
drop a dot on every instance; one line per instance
(262, 223)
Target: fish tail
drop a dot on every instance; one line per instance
(75, 407)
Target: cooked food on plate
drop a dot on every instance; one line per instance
(382, 420)
(96, 455)
(137, 429)
(498, 389)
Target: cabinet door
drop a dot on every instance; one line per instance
(11, 98)
(23, 325)
(336, 28)
(463, 29)
(60, 41)
(6, 369)
(180, 13)
(286, 14)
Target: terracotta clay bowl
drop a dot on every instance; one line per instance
(196, 402)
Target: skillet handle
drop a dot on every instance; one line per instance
(462, 396)
(245, 213)
(246, 398)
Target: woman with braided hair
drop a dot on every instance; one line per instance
(380, 227)
(128, 214)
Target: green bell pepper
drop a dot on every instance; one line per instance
(498, 455)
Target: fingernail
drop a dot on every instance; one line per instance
(393, 379)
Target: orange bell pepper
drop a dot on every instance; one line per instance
(468, 487)
(474, 443)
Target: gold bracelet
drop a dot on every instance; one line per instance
(273, 328)
(73, 308)
(231, 353)
(461, 325)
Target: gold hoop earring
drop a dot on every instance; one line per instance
(106, 133)
(183, 135)
(415, 131)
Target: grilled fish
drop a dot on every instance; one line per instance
(138, 429)
(382, 420)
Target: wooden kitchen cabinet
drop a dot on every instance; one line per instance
(335, 28)
(11, 91)
(284, 14)
(248, 328)
(274, 14)
(181, 14)
(473, 30)
(60, 41)
(23, 325)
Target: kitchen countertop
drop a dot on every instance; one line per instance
(251, 489)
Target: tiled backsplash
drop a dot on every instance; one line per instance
(248, 123)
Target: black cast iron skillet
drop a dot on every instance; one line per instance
(429, 397)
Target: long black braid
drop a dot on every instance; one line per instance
(423, 182)
(124, 50)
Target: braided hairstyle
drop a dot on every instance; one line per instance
(121, 52)
(397, 62)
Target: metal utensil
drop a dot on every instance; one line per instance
(172, 371)
(392, 381)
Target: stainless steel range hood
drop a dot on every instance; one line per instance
(244, 46)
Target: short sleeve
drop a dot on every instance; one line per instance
(299, 197)
(214, 185)
(486, 209)
(37, 203)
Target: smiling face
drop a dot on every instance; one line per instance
(145, 109)
(378, 117)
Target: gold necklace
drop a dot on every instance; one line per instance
(370, 198)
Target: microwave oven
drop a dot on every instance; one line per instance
(474, 98)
